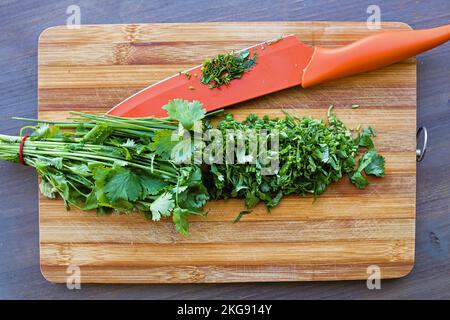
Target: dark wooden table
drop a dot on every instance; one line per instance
(22, 22)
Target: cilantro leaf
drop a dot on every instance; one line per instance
(162, 206)
(80, 169)
(151, 185)
(47, 189)
(376, 166)
(179, 218)
(60, 184)
(97, 198)
(368, 158)
(122, 184)
(91, 201)
(193, 198)
(163, 143)
(129, 144)
(45, 131)
(371, 163)
(359, 180)
(56, 162)
(365, 139)
(187, 113)
(182, 151)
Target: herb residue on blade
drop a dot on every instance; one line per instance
(226, 67)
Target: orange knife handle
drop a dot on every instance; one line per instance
(372, 52)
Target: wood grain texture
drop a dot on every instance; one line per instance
(337, 237)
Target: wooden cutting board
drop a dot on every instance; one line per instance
(337, 237)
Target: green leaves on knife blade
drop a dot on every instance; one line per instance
(228, 66)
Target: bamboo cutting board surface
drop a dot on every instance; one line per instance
(337, 237)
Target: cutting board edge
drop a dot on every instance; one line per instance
(64, 277)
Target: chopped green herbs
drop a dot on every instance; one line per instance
(241, 214)
(270, 42)
(112, 164)
(372, 164)
(365, 138)
(312, 154)
(186, 74)
(226, 67)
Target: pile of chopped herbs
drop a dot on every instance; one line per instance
(312, 154)
(225, 67)
(120, 165)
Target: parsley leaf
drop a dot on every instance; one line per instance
(44, 131)
(47, 189)
(151, 185)
(187, 113)
(162, 206)
(182, 151)
(365, 139)
(179, 218)
(163, 143)
(376, 165)
(80, 169)
(130, 143)
(122, 184)
(372, 164)
(359, 180)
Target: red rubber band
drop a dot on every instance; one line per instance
(21, 150)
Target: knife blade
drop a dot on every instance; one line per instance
(278, 66)
(284, 64)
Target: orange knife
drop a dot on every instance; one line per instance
(283, 64)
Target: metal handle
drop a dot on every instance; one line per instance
(420, 152)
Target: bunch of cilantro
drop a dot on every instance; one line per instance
(113, 164)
